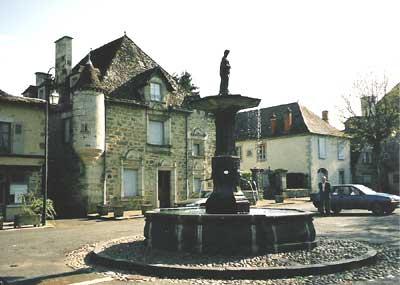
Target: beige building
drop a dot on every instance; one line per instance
(121, 130)
(292, 138)
(22, 128)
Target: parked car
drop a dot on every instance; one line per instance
(356, 196)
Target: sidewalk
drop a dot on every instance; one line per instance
(287, 201)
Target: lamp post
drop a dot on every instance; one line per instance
(48, 85)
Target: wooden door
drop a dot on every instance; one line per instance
(164, 188)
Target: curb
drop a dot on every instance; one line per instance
(96, 257)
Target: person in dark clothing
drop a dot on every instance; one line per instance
(325, 196)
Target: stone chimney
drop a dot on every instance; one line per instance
(272, 121)
(325, 116)
(287, 120)
(63, 58)
(41, 77)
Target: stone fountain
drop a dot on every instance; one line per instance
(227, 224)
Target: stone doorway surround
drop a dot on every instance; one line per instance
(170, 166)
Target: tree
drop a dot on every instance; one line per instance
(185, 81)
(378, 122)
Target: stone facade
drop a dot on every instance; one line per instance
(103, 128)
(22, 145)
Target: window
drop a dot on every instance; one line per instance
(197, 185)
(341, 176)
(5, 137)
(156, 134)
(67, 130)
(18, 188)
(130, 183)
(341, 150)
(155, 92)
(196, 151)
(261, 152)
(42, 94)
(322, 147)
(366, 157)
(239, 152)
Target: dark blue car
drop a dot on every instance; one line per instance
(356, 196)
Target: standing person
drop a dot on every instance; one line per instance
(325, 196)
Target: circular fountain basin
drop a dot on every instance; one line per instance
(259, 231)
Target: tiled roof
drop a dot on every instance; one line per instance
(19, 99)
(119, 62)
(303, 122)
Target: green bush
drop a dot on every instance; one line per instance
(33, 205)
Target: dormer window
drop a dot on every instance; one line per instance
(155, 92)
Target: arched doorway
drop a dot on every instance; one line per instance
(322, 172)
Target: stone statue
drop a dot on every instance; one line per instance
(224, 71)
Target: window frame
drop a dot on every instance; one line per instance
(262, 152)
(123, 190)
(163, 136)
(7, 148)
(341, 145)
(155, 97)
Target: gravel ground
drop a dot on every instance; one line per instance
(387, 266)
(133, 249)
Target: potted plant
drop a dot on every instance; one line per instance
(146, 206)
(102, 209)
(117, 207)
(32, 208)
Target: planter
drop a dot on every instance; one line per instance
(26, 219)
(278, 198)
(146, 207)
(118, 211)
(1, 222)
(102, 210)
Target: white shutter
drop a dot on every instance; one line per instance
(156, 132)
(18, 143)
(322, 147)
(130, 179)
(341, 153)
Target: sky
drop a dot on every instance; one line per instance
(281, 51)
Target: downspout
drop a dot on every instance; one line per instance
(105, 156)
(187, 157)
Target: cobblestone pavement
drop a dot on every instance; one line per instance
(38, 252)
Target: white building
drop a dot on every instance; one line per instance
(292, 138)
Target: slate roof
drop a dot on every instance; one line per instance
(19, 99)
(303, 122)
(89, 78)
(123, 66)
(32, 90)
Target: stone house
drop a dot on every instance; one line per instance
(120, 129)
(290, 137)
(22, 129)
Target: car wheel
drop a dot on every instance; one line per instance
(390, 210)
(377, 209)
(336, 210)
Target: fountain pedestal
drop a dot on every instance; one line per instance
(225, 199)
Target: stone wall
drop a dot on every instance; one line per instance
(127, 147)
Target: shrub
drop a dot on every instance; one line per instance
(33, 205)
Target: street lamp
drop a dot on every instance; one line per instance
(49, 84)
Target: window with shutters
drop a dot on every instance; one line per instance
(156, 134)
(5, 137)
(341, 150)
(130, 183)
